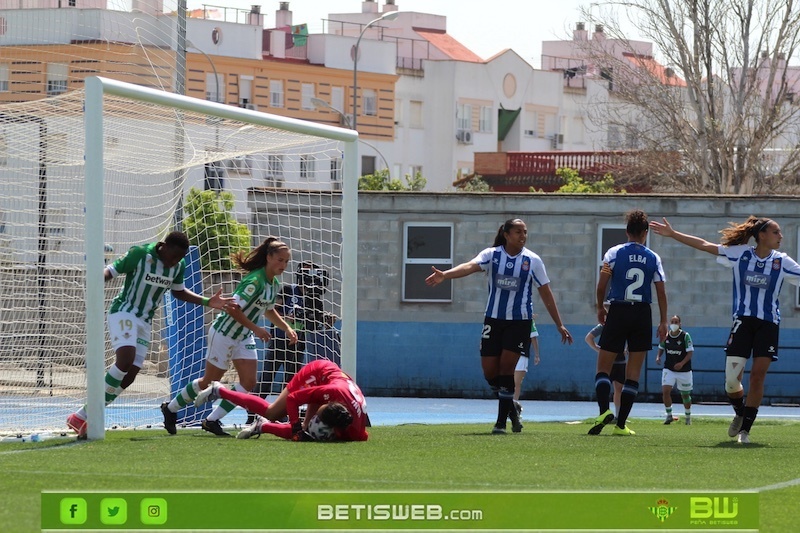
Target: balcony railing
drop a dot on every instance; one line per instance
(521, 170)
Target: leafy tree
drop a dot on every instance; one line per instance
(210, 225)
(716, 90)
(382, 181)
(573, 183)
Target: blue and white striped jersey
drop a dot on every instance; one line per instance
(757, 282)
(634, 268)
(511, 282)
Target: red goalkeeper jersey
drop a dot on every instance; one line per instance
(320, 382)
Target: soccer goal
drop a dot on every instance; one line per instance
(90, 173)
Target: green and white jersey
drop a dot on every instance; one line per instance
(146, 281)
(255, 294)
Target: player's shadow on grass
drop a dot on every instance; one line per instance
(732, 444)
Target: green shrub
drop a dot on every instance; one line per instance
(210, 225)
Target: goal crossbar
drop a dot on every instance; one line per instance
(96, 89)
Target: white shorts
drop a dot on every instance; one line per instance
(522, 364)
(683, 380)
(222, 350)
(127, 329)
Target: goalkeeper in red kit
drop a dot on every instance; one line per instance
(336, 409)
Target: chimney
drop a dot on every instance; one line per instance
(580, 33)
(255, 18)
(369, 6)
(598, 33)
(283, 17)
(389, 6)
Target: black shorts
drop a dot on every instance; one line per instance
(499, 335)
(753, 336)
(627, 322)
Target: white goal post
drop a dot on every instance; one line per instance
(90, 173)
(96, 89)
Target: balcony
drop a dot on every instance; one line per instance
(518, 171)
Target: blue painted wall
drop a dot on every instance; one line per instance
(442, 360)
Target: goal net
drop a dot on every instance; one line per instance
(92, 172)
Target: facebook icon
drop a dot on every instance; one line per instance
(73, 511)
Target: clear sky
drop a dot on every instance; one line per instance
(484, 26)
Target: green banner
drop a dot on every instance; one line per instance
(391, 511)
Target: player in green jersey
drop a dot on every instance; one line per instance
(231, 336)
(150, 270)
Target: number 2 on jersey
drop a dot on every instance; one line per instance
(637, 275)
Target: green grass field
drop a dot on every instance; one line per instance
(546, 456)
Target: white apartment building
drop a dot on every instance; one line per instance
(449, 102)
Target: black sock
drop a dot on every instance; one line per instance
(629, 391)
(750, 414)
(602, 388)
(505, 398)
(738, 405)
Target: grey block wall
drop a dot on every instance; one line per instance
(562, 229)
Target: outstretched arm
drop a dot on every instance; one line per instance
(666, 230)
(464, 269)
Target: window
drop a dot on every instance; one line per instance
(276, 93)
(413, 170)
(577, 130)
(57, 74)
(336, 173)
(531, 128)
(240, 164)
(307, 93)
(367, 165)
(337, 98)
(306, 167)
(614, 137)
(464, 117)
(370, 102)
(274, 172)
(214, 177)
(485, 123)
(215, 87)
(426, 244)
(3, 78)
(415, 119)
(609, 235)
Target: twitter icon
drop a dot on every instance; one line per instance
(113, 511)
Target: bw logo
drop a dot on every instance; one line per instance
(662, 510)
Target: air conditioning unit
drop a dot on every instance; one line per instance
(557, 141)
(529, 133)
(464, 136)
(248, 105)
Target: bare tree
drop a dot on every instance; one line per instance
(719, 96)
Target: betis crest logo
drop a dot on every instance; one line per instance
(662, 510)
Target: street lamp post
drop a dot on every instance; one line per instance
(391, 15)
(318, 102)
